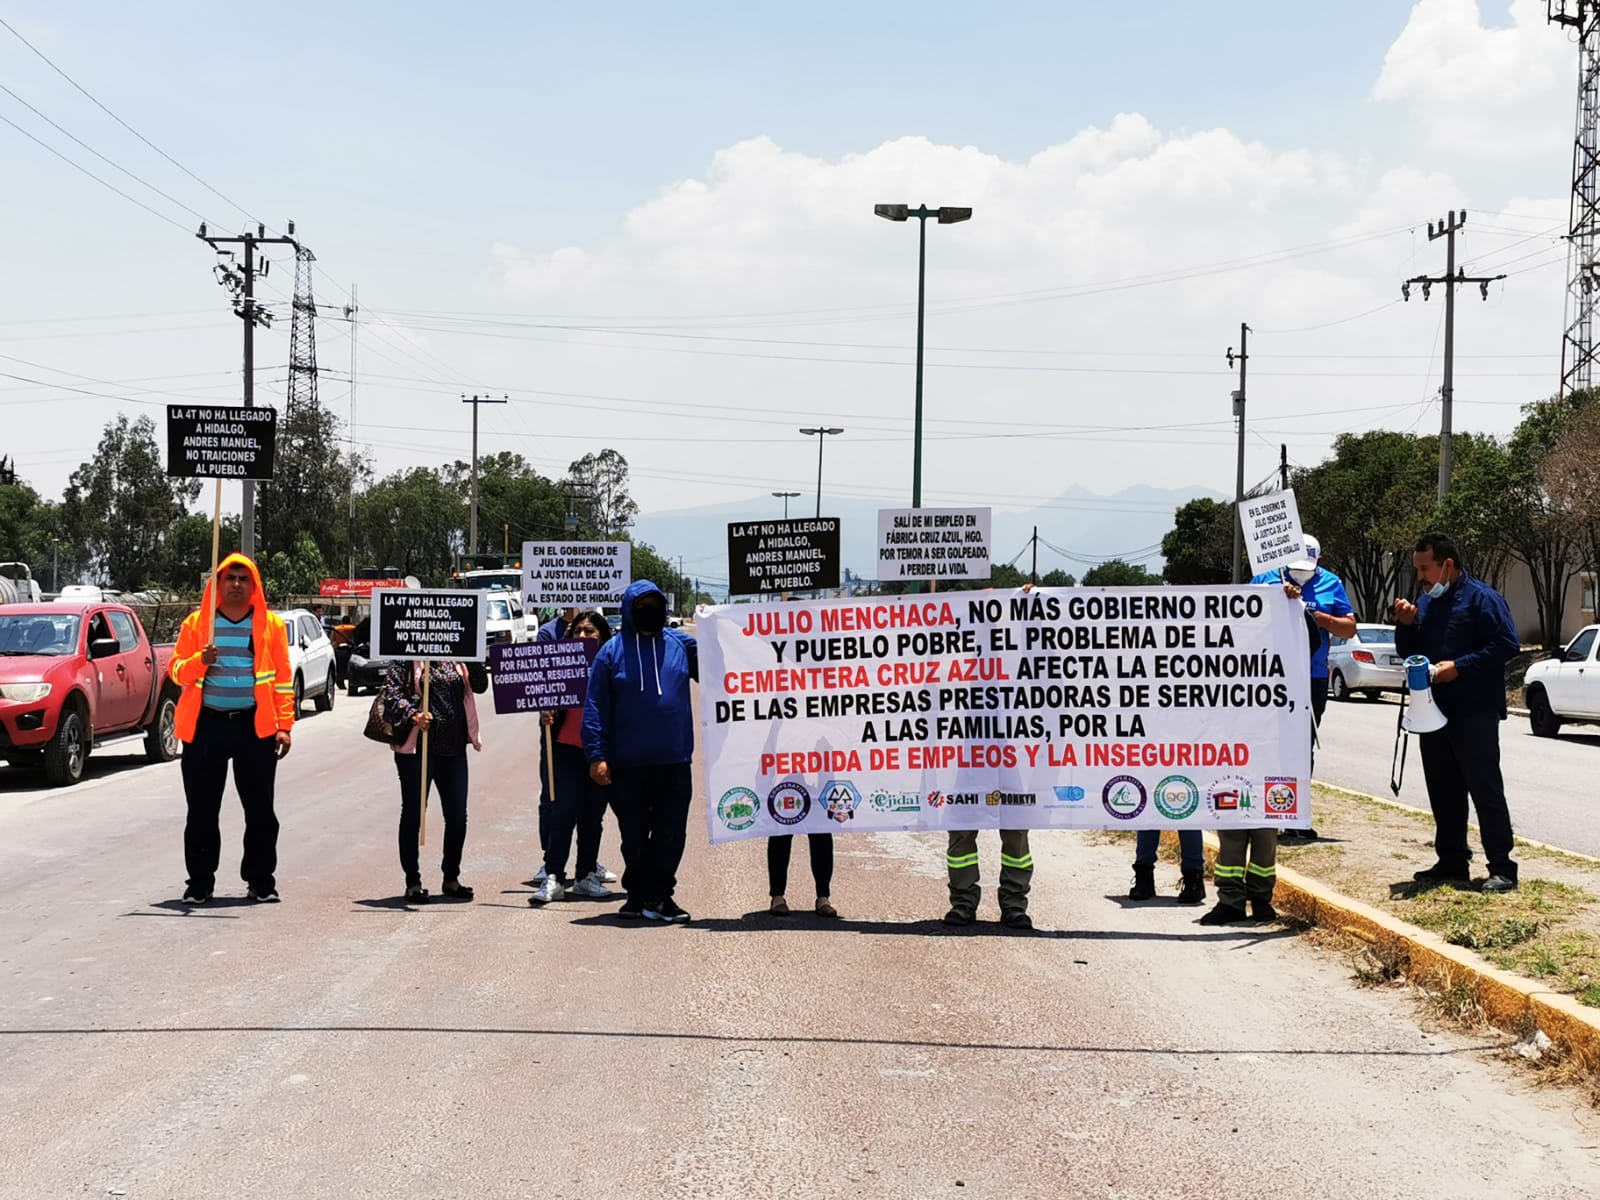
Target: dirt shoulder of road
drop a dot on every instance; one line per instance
(1548, 930)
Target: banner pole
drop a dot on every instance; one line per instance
(422, 827)
(216, 557)
(550, 763)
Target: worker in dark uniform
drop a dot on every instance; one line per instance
(1464, 628)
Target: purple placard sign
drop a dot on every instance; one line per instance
(536, 676)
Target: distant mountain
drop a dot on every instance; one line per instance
(1090, 528)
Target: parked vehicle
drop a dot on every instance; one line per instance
(1365, 663)
(505, 620)
(1566, 687)
(88, 593)
(76, 678)
(311, 657)
(17, 585)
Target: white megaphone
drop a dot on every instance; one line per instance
(1422, 714)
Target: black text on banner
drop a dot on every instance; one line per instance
(431, 626)
(221, 442)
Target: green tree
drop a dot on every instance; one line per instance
(309, 494)
(598, 484)
(515, 502)
(1117, 573)
(297, 572)
(411, 520)
(1057, 579)
(1199, 547)
(1572, 480)
(119, 505)
(186, 550)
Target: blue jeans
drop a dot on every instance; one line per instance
(1191, 848)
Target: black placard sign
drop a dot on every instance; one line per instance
(432, 626)
(215, 442)
(768, 557)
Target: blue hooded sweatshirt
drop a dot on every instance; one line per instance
(638, 712)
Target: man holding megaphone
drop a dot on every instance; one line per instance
(1464, 628)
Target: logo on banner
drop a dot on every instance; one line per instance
(1124, 797)
(1231, 794)
(738, 808)
(895, 802)
(789, 803)
(1281, 796)
(1070, 795)
(840, 798)
(1009, 798)
(1177, 797)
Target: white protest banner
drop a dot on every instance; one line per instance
(1077, 708)
(1272, 531)
(575, 574)
(933, 543)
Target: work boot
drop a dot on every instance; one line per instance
(1194, 886)
(1144, 882)
(1225, 914)
(959, 916)
(1262, 910)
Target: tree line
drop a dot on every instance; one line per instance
(122, 522)
(1531, 498)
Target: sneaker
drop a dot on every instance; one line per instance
(1016, 920)
(668, 910)
(959, 916)
(1262, 910)
(416, 894)
(604, 873)
(779, 907)
(825, 908)
(1496, 884)
(193, 897)
(547, 891)
(1225, 914)
(590, 887)
(631, 909)
(268, 895)
(456, 890)
(538, 878)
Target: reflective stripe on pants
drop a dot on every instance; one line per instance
(1247, 865)
(1016, 870)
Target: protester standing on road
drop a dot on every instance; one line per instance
(1328, 605)
(779, 850)
(1464, 628)
(236, 706)
(1191, 861)
(1016, 876)
(452, 725)
(579, 802)
(638, 735)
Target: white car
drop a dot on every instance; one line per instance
(311, 657)
(505, 620)
(1566, 687)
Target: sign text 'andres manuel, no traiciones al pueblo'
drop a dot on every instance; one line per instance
(771, 557)
(217, 442)
(437, 625)
(1082, 708)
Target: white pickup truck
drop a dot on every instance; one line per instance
(1566, 687)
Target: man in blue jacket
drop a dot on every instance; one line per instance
(1465, 629)
(1328, 605)
(638, 734)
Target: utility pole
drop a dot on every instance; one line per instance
(1283, 465)
(821, 434)
(241, 281)
(1035, 571)
(786, 497)
(1242, 358)
(472, 535)
(1452, 279)
(351, 313)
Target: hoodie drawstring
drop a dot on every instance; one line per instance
(638, 658)
(655, 660)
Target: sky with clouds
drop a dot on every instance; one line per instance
(651, 226)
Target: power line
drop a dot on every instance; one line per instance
(77, 166)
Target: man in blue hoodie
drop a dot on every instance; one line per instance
(638, 734)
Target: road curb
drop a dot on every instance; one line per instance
(1509, 1002)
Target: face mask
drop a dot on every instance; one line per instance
(649, 618)
(1438, 589)
(1301, 575)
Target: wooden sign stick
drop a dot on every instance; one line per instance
(216, 558)
(550, 763)
(422, 829)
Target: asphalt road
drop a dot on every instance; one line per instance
(341, 1045)
(1549, 781)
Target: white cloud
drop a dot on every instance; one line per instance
(562, 271)
(1504, 89)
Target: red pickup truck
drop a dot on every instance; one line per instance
(75, 677)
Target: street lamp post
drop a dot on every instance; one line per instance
(945, 216)
(821, 434)
(786, 497)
